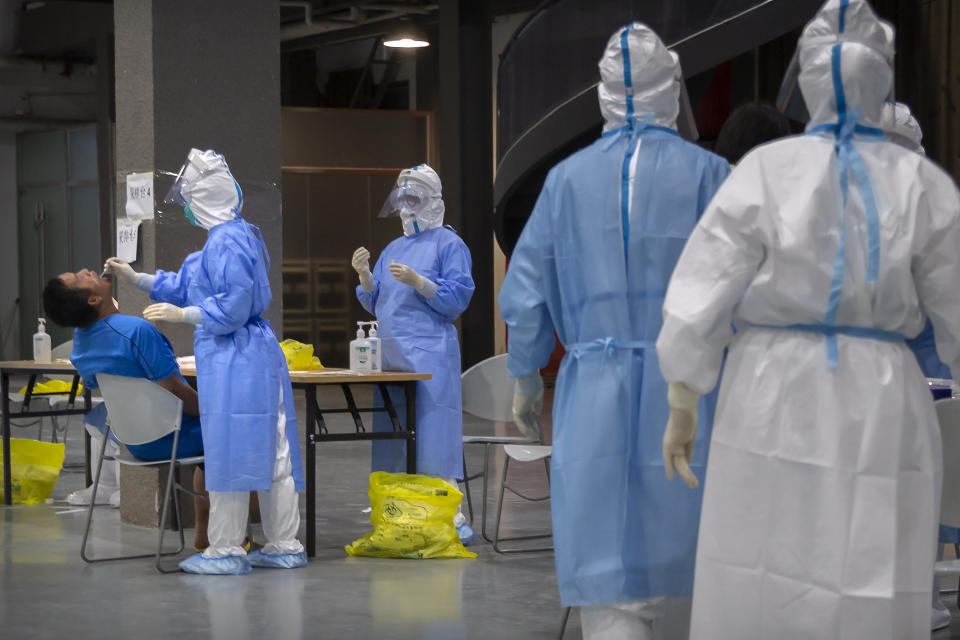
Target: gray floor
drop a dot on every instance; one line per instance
(48, 591)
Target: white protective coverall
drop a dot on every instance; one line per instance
(822, 485)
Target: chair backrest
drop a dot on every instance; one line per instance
(948, 413)
(488, 390)
(61, 352)
(139, 411)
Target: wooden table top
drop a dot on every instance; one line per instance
(37, 365)
(336, 376)
(323, 376)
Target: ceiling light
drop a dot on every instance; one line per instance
(406, 36)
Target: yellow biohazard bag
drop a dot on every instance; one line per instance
(54, 386)
(300, 356)
(34, 469)
(412, 517)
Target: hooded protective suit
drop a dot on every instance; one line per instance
(416, 326)
(246, 399)
(593, 264)
(825, 250)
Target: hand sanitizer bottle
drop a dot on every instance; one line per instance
(375, 357)
(360, 352)
(41, 341)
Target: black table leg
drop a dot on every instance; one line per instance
(311, 454)
(410, 392)
(7, 483)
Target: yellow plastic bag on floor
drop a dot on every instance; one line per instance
(54, 386)
(412, 517)
(34, 469)
(300, 356)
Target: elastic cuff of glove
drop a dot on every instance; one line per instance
(367, 284)
(193, 315)
(427, 287)
(680, 396)
(145, 281)
(530, 385)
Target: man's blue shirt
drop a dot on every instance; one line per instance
(130, 346)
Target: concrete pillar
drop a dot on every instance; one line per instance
(206, 75)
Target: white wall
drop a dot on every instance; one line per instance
(9, 266)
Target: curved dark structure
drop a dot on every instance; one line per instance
(547, 100)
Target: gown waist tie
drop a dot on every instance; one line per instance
(607, 346)
(831, 332)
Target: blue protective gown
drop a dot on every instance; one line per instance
(925, 349)
(417, 334)
(240, 366)
(597, 272)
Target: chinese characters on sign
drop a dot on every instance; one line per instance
(127, 231)
(140, 195)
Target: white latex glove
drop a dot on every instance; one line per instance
(680, 433)
(406, 275)
(526, 413)
(121, 269)
(164, 311)
(528, 405)
(361, 262)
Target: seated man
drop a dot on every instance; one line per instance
(106, 341)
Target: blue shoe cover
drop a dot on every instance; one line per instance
(277, 561)
(467, 536)
(229, 566)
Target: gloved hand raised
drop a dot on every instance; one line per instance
(680, 433)
(121, 269)
(164, 311)
(406, 275)
(528, 405)
(361, 262)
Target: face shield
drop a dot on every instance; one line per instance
(410, 197)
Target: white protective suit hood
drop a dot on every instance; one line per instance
(846, 54)
(901, 127)
(638, 76)
(431, 215)
(209, 189)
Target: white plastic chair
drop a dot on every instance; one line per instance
(488, 394)
(62, 352)
(140, 411)
(948, 414)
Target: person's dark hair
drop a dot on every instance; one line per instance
(750, 125)
(68, 307)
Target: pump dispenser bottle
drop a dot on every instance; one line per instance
(41, 341)
(375, 355)
(360, 352)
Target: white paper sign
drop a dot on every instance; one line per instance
(140, 195)
(127, 231)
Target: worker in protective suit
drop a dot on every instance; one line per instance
(419, 286)
(826, 251)
(593, 264)
(246, 401)
(901, 127)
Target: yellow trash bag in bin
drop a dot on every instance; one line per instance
(34, 467)
(412, 517)
(300, 356)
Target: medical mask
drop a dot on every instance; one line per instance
(410, 224)
(190, 216)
